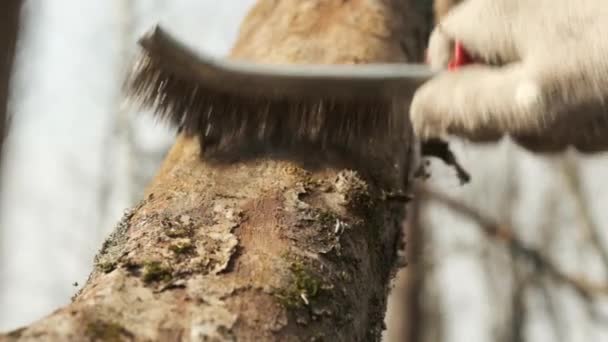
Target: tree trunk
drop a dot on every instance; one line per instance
(262, 250)
(9, 26)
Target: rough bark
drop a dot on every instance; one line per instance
(9, 26)
(262, 250)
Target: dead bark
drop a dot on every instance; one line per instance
(262, 250)
(9, 26)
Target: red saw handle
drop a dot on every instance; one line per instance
(460, 58)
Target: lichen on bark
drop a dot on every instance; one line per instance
(256, 250)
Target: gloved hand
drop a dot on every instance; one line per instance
(542, 77)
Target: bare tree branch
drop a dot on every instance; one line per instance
(506, 235)
(570, 171)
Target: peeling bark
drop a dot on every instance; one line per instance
(261, 250)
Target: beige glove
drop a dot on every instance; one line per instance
(548, 83)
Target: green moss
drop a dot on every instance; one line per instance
(305, 281)
(177, 232)
(107, 266)
(113, 246)
(183, 246)
(302, 289)
(326, 218)
(155, 271)
(106, 331)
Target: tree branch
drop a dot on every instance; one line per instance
(506, 235)
(262, 250)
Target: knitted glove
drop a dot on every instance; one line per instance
(541, 74)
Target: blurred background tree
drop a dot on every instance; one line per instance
(9, 27)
